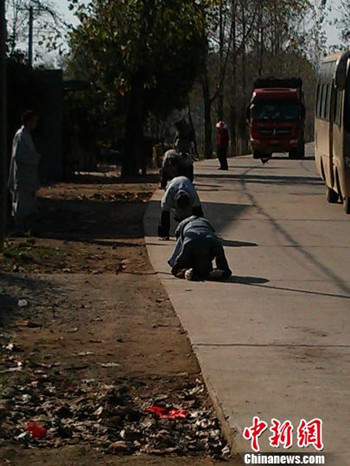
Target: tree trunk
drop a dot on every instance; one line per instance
(243, 119)
(208, 145)
(220, 108)
(260, 39)
(233, 116)
(135, 118)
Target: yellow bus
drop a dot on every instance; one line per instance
(332, 127)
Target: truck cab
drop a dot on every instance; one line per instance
(276, 115)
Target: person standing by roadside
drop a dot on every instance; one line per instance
(222, 139)
(24, 174)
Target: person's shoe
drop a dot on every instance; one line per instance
(189, 274)
(216, 274)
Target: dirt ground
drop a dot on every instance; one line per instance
(89, 340)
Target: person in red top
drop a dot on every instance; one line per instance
(222, 140)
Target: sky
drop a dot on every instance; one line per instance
(62, 7)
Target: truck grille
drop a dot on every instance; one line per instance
(275, 131)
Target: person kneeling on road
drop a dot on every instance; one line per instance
(196, 248)
(170, 167)
(180, 197)
(176, 164)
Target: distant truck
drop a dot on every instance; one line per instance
(276, 116)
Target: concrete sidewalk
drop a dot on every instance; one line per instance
(274, 341)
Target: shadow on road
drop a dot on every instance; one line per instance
(110, 179)
(15, 287)
(247, 280)
(237, 244)
(309, 256)
(263, 179)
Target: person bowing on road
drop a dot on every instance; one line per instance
(182, 199)
(196, 247)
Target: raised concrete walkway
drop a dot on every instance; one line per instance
(273, 342)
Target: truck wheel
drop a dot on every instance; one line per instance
(332, 196)
(293, 154)
(301, 151)
(347, 205)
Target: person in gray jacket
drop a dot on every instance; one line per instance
(196, 248)
(182, 200)
(23, 176)
(170, 167)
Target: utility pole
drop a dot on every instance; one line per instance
(30, 40)
(3, 127)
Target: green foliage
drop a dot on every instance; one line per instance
(162, 42)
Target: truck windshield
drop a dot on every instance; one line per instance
(275, 112)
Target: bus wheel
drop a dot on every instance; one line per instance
(297, 154)
(347, 205)
(332, 196)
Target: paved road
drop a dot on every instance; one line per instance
(274, 341)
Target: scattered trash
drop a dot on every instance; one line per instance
(84, 353)
(113, 417)
(27, 323)
(109, 364)
(77, 367)
(22, 303)
(73, 330)
(36, 431)
(98, 411)
(116, 447)
(18, 368)
(168, 413)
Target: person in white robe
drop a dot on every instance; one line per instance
(24, 174)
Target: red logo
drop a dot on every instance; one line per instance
(310, 434)
(282, 434)
(254, 432)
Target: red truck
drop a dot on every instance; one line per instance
(276, 116)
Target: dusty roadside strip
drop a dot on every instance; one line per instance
(97, 341)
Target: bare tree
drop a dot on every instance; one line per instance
(45, 29)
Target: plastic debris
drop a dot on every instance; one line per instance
(36, 431)
(168, 413)
(27, 323)
(109, 364)
(22, 303)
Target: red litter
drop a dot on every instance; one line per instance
(36, 431)
(168, 413)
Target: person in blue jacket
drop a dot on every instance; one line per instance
(196, 248)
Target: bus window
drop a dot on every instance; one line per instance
(347, 110)
(337, 106)
(328, 103)
(325, 106)
(318, 99)
(319, 104)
